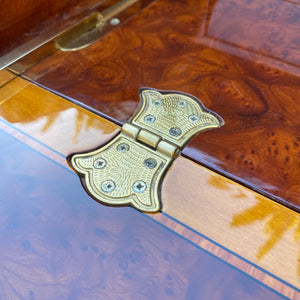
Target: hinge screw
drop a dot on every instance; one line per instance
(114, 21)
(149, 119)
(139, 186)
(182, 103)
(108, 186)
(123, 147)
(175, 131)
(99, 163)
(157, 102)
(194, 118)
(150, 163)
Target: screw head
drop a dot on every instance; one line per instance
(99, 163)
(150, 163)
(108, 186)
(194, 118)
(123, 147)
(175, 131)
(114, 21)
(139, 186)
(182, 103)
(157, 102)
(149, 118)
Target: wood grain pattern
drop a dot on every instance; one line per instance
(263, 232)
(36, 25)
(44, 115)
(58, 244)
(242, 221)
(172, 45)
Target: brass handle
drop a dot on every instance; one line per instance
(90, 30)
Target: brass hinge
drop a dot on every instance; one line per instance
(129, 170)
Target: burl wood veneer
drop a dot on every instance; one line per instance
(241, 58)
(47, 218)
(25, 25)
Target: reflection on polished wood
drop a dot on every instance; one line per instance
(21, 21)
(276, 224)
(255, 227)
(225, 212)
(5, 76)
(268, 28)
(29, 32)
(44, 116)
(170, 45)
(58, 244)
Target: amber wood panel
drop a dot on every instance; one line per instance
(231, 216)
(5, 76)
(170, 45)
(255, 227)
(44, 116)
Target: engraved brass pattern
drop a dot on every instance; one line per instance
(172, 113)
(129, 170)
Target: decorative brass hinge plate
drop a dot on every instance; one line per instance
(129, 170)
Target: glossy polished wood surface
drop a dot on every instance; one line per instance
(260, 230)
(33, 26)
(5, 76)
(233, 55)
(45, 118)
(212, 213)
(58, 244)
(23, 20)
